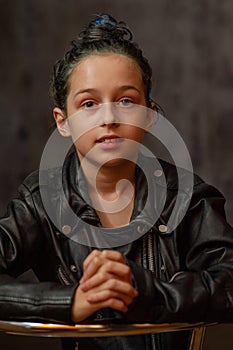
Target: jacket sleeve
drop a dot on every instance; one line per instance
(202, 291)
(21, 242)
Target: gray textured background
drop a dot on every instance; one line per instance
(190, 46)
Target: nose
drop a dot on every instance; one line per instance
(108, 114)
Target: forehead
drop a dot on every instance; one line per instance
(111, 67)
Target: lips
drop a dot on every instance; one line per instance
(109, 142)
(109, 139)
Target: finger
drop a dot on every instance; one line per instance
(93, 267)
(113, 303)
(108, 294)
(98, 280)
(120, 287)
(113, 285)
(113, 255)
(106, 271)
(94, 281)
(91, 264)
(106, 254)
(111, 266)
(90, 257)
(116, 268)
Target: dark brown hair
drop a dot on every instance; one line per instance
(103, 35)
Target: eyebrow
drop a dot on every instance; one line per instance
(129, 87)
(121, 88)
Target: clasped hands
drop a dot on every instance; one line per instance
(106, 282)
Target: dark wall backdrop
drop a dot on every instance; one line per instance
(190, 47)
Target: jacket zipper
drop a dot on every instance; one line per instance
(151, 265)
(150, 252)
(63, 276)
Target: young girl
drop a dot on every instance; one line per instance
(101, 90)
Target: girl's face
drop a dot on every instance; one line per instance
(104, 116)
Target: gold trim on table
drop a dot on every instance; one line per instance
(90, 330)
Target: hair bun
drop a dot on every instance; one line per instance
(105, 27)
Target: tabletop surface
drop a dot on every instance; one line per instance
(90, 330)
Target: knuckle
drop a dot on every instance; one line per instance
(105, 252)
(96, 260)
(109, 265)
(111, 302)
(112, 283)
(95, 252)
(101, 276)
(118, 255)
(127, 270)
(112, 254)
(127, 288)
(108, 294)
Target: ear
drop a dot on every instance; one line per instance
(62, 122)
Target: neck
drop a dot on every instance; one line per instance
(108, 179)
(111, 192)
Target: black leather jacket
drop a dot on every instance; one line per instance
(182, 276)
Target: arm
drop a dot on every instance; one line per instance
(203, 289)
(22, 242)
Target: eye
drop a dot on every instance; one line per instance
(88, 104)
(126, 102)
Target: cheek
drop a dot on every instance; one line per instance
(83, 142)
(136, 117)
(82, 146)
(83, 136)
(133, 133)
(80, 128)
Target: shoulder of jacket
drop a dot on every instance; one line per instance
(30, 183)
(38, 178)
(173, 175)
(176, 178)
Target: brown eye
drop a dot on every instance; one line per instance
(88, 104)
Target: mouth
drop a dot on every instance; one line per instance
(109, 142)
(109, 139)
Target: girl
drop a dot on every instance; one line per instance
(101, 90)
